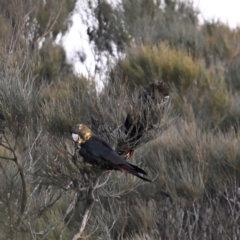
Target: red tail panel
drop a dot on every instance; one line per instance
(124, 170)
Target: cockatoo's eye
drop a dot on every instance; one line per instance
(75, 137)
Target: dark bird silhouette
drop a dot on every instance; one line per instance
(96, 151)
(154, 93)
(137, 123)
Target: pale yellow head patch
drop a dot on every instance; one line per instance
(84, 133)
(87, 136)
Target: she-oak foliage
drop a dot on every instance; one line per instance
(191, 152)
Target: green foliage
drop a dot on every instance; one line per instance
(46, 187)
(233, 74)
(205, 90)
(68, 103)
(146, 64)
(192, 168)
(48, 62)
(52, 16)
(28, 24)
(188, 161)
(232, 119)
(207, 101)
(150, 22)
(221, 42)
(18, 101)
(110, 27)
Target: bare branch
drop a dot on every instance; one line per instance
(87, 210)
(7, 158)
(24, 190)
(49, 28)
(45, 208)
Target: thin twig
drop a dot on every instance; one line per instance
(87, 210)
(24, 186)
(69, 209)
(7, 158)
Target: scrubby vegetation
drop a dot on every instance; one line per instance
(191, 152)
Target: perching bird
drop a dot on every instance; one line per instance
(137, 123)
(96, 151)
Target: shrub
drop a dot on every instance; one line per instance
(146, 64)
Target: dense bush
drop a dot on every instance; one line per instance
(146, 64)
(196, 90)
(191, 152)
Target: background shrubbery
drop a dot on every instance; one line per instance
(193, 155)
